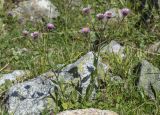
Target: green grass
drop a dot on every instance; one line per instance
(65, 44)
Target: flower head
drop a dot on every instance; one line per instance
(10, 14)
(108, 14)
(85, 30)
(86, 10)
(35, 35)
(100, 16)
(25, 33)
(50, 26)
(125, 11)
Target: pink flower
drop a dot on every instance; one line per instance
(50, 26)
(85, 30)
(86, 10)
(125, 11)
(35, 35)
(25, 33)
(100, 16)
(108, 14)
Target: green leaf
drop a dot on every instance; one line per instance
(65, 105)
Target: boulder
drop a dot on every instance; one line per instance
(113, 47)
(16, 74)
(90, 111)
(149, 78)
(30, 97)
(35, 10)
(82, 70)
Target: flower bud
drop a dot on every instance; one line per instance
(100, 16)
(86, 11)
(85, 30)
(125, 11)
(50, 26)
(35, 35)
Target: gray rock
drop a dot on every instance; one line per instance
(113, 47)
(13, 76)
(154, 48)
(149, 79)
(116, 79)
(82, 70)
(30, 97)
(90, 111)
(35, 10)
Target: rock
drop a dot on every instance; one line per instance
(149, 78)
(82, 70)
(35, 10)
(116, 79)
(90, 111)
(13, 76)
(113, 47)
(30, 97)
(154, 48)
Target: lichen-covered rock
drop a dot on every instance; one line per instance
(90, 111)
(13, 76)
(30, 97)
(113, 47)
(82, 70)
(149, 78)
(35, 10)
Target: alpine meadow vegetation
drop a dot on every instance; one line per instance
(52, 44)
